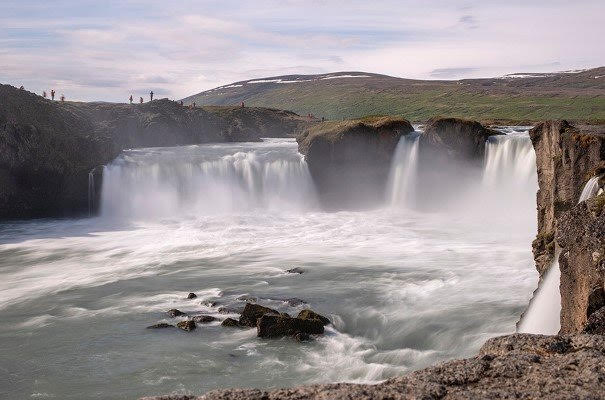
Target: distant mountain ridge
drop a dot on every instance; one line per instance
(522, 97)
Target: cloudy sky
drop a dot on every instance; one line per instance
(106, 50)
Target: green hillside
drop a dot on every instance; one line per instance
(576, 96)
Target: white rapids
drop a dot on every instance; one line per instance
(404, 288)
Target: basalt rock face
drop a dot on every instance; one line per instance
(566, 158)
(48, 148)
(350, 160)
(517, 366)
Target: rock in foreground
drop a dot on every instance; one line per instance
(519, 366)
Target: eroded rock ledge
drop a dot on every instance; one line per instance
(519, 366)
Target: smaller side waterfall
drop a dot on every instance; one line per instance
(590, 189)
(91, 192)
(543, 315)
(402, 178)
(510, 161)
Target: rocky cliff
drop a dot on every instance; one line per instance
(566, 158)
(48, 148)
(350, 160)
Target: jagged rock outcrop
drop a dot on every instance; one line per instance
(519, 366)
(48, 148)
(566, 158)
(350, 160)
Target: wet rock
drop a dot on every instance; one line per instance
(209, 303)
(230, 310)
(273, 326)
(302, 337)
(188, 325)
(248, 298)
(161, 325)
(230, 322)
(191, 295)
(596, 322)
(175, 313)
(203, 319)
(312, 315)
(295, 270)
(252, 312)
(292, 301)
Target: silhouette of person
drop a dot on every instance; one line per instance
(151, 95)
(62, 97)
(181, 103)
(141, 100)
(52, 94)
(44, 94)
(130, 99)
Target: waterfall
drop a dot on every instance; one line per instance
(91, 192)
(543, 315)
(590, 189)
(402, 177)
(206, 180)
(510, 162)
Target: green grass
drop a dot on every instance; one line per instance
(418, 105)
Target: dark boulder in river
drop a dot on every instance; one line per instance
(48, 148)
(191, 295)
(273, 326)
(312, 315)
(161, 325)
(173, 313)
(188, 325)
(203, 319)
(350, 160)
(231, 322)
(252, 312)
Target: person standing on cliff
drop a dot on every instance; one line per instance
(130, 99)
(141, 100)
(44, 94)
(62, 98)
(52, 94)
(151, 95)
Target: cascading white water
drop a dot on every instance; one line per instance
(402, 177)
(543, 313)
(207, 179)
(91, 192)
(590, 189)
(510, 162)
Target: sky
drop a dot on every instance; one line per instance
(107, 50)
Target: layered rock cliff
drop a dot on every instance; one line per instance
(350, 160)
(48, 148)
(566, 158)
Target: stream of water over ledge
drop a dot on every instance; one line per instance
(404, 289)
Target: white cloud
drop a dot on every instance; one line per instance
(134, 46)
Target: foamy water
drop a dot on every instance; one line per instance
(404, 289)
